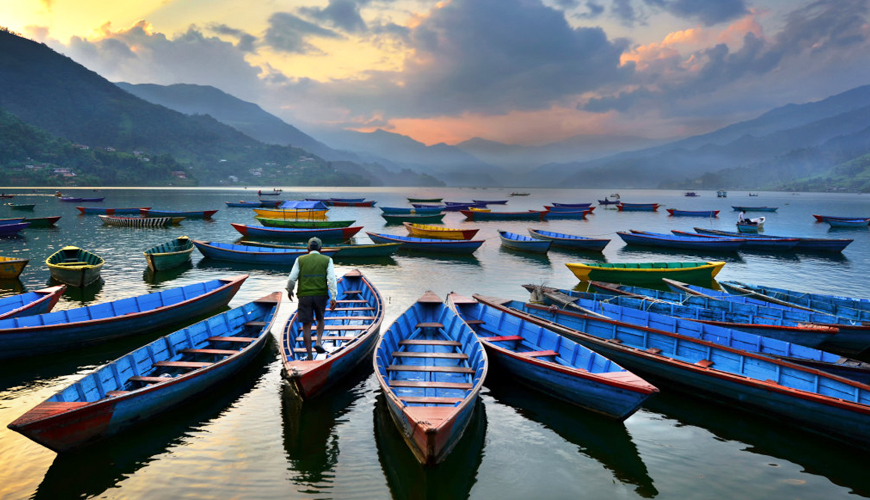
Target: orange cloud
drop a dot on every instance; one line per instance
(642, 55)
(734, 33)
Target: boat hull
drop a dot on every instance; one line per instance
(42, 222)
(523, 243)
(570, 241)
(195, 214)
(249, 254)
(304, 224)
(442, 233)
(30, 303)
(693, 213)
(111, 211)
(11, 268)
(413, 218)
(429, 245)
(340, 233)
(680, 242)
(169, 255)
(538, 215)
(696, 272)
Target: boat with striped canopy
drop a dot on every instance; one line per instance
(11, 267)
(172, 253)
(431, 367)
(30, 303)
(550, 363)
(428, 244)
(439, 232)
(523, 243)
(647, 272)
(60, 331)
(151, 380)
(111, 211)
(288, 233)
(112, 220)
(570, 241)
(350, 333)
(304, 224)
(74, 267)
(793, 394)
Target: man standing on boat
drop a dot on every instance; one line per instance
(316, 275)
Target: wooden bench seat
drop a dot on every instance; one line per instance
(353, 309)
(327, 338)
(255, 324)
(505, 338)
(537, 354)
(417, 368)
(345, 327)
(429, 325)
(149, 380)
(475, 322)
(351, 301)
(451, 343)
(431, 400)
(442, 355)
(343, 318)
(241, 340)
(351, 292)
(217, 352)
(432, 385)
(182, 364)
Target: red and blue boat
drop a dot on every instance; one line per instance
(30, 303)
(298, 234)
(73, 328)
(160, 376)
(429, 209)
(826, 218)
(190, 214)
(790, 393)
(753, 243)
(670, 241)
(111, 211)
(428, 244)
(566, 214)
(570, 241)
(638, 207)
(804, 244)
(350, 333)
(431, 367)
(251, 254)
(572, 206)
(13, 228)
(550, 363)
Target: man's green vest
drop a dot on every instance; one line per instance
(312, 275)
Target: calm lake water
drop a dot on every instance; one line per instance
(252, 439)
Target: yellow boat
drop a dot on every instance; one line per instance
(438, 232)
(10, 267)
(475, 209)
(291, 213)
(647, 272)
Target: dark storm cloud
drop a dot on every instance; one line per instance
(624, 11)
(289, 33)
(813, 35)
(341, 14)
(246, 41)
(709, 12)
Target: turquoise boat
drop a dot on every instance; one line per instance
(523, 243)
(341, 251)
(304, 224)
(171, 254)
(436, 218)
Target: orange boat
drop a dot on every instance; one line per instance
(438, 232)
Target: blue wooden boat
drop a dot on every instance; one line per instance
(354, 251)
(638, 207)
(110, 211)
(691, 194)
(538, 215)
(429, 206)
(775, 348)
(463, 207)
(244, 204)
(30, 303)
(523, 243)
(750, 226)
(807, 328)
(12, 220)
(191, 214)
(428, 244)
(555, 365)
(862, 223)
(756, 243)
(491, 202)
(64, 330)
(13, 228)
(430, 367)
(804, 244)
(693, 213)
(570, 241)
(151, 380)
(351, 331)
(792, 394)
(679, 242)
(250, 254)
(572, 206)
(416, 211)
(741, 208)
(566, 214)
(605, 201)
(826, 218)
(555, 208)
(844, 307)
(298, 234)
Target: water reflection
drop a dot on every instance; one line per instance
(93, 470)
(657, 253)
(12, 285)
(238, 267)
(310, 435)
(156, 277)
(452, 479)
(538, 259)
(817, 455)
(412, 255)
(596, 437)
(80, 296)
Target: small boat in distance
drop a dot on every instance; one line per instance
(863, 223)
(693, 213)
(428, 244)
(191, 214)
(413, 218)
(826, 218)
(741, 208)
(24, 207)
(691, 194)
(523, 243)
(42, 222)
(74, 267)
(721, 194)
(519, 194)
(638, 207)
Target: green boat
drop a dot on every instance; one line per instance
(647, 272)
(74, 267)
(27, 207)
(304, 224)
(171, 254)
(42, 221)
(425, 200)
(414, 218)
(341, 251)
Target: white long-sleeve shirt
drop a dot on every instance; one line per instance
(330, 277)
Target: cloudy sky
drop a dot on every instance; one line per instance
(514, 71)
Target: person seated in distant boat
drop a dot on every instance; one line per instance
(317, 285)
